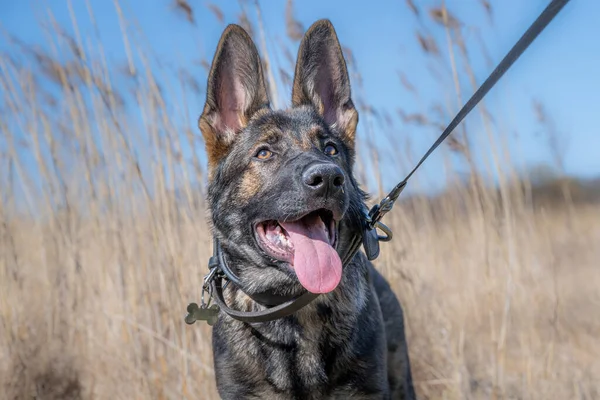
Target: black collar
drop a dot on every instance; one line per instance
(278, 306)
(267, 299)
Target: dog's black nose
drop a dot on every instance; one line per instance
(323, 178)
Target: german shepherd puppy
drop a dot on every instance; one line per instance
(284, 204)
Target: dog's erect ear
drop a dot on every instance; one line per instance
(236, 91)
(321, 79)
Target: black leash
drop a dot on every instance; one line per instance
(528, 37)
(370, 238)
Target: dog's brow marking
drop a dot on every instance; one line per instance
(305, 138)
(314, 132)
(303, 142)
(270, 135)
(273, 138)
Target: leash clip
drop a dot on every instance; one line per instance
(206, 287)
(373, 222)
(385, 205)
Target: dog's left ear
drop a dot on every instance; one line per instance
(321, 80)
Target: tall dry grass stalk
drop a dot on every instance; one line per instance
(103, 239)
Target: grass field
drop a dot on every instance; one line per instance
(104, 240)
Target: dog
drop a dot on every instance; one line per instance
(284, 204)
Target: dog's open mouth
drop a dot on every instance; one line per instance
(308, 245)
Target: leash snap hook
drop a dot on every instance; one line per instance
(207, 287)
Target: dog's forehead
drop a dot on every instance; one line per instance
(297, 124)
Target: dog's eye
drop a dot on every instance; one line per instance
(330, 150)
(264, 154)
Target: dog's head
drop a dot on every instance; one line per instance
(282, 196)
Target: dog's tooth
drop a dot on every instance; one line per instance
(281, 235)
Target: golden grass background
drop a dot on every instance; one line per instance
(104, 240)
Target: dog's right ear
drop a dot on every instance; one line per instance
(236, 91)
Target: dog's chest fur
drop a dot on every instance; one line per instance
(332, 349)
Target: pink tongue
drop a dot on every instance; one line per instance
(316, 262)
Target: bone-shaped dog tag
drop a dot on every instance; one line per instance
(197, 313)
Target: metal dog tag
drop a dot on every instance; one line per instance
(197, 313)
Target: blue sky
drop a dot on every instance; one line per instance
(560, 69)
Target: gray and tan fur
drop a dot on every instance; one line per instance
(348, 343)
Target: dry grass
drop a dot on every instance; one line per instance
(495, 307)
(103, 242)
